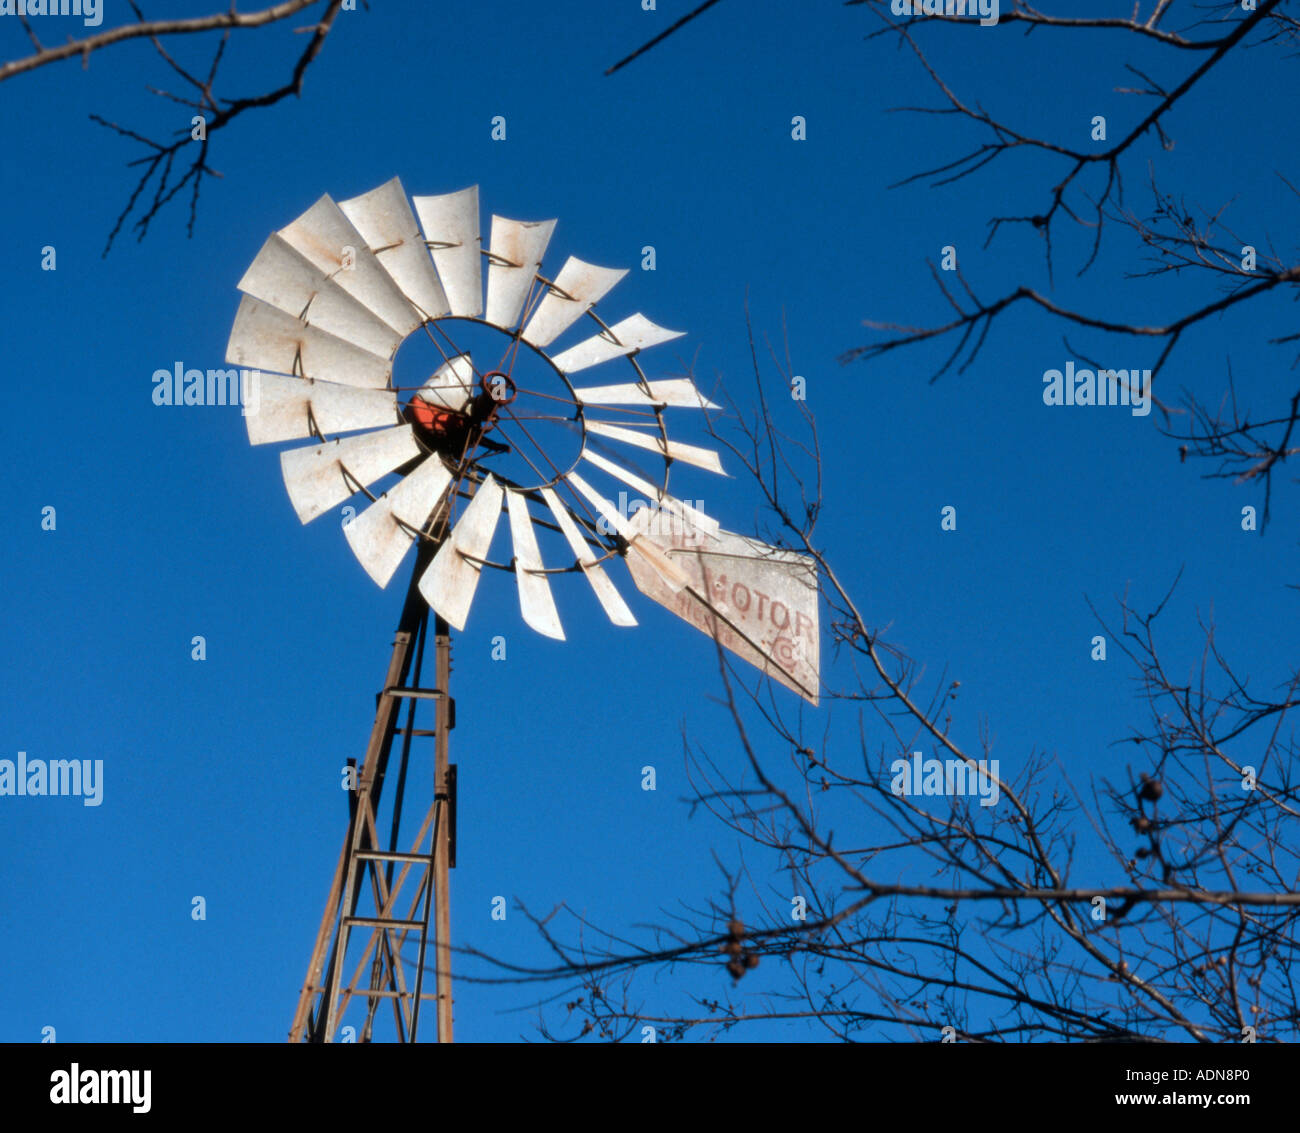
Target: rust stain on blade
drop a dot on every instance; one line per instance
(517, 248)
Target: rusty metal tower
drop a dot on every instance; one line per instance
(327, 302)
(374, 872)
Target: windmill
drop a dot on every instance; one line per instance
(326, 304)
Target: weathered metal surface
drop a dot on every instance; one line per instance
(536, 602)
(268, 339)
(444, 853)
(377, 539)
(606, 507)
(451, 228)
(758, 601)
(639, 545)
(583, 284)
(653, 442)
(679, 392)
(632, 334)
(285, 279)
(449, 583)
(521, 245)
(328, 239)
(452, 384)
(610, 599)
(384, 218)
(281, 412)
(653, 496)
(317, 1014)
(314, 475)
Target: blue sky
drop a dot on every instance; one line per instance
(221, 777)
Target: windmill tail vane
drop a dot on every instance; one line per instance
(326, 304)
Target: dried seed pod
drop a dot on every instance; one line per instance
(1151, 789)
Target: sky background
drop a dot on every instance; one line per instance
(222, 776)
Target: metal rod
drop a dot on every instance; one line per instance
(428, 995)
(442, 833)
(393, 856)
(438, 895)
(382, 922)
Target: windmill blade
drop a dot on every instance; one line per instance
(688, 454)
(285, 279)
(282, 411)
(610, 599)
(638, 544)
(634, 333)
(451, 385)
(450, 224)
(384, 218)
(315, 475)
(620, 455)
(593, 444)
(449, 583)
(269, 339)
(575, 289)
(378, 540)
(606, 507)
(755, 600)
(680, 392)
(536, 602)
(664, 501)
(327, 239)
(514, 256)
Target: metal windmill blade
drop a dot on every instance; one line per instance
(328, 301)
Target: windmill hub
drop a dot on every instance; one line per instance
(458, 432)
(474, 393)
